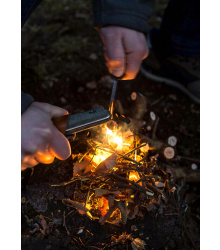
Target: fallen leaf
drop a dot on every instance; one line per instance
(83, 167)
(46, 229)
(106, 165)
(138, 244)
(91, 85)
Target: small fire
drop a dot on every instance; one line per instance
(100, 156)
(134, 176)
(117, 140)
(114, 138)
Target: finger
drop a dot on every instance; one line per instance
(133, 63)
(59, 146)
(44, 157)
(114, 54)
(54, 111)
(136, 51)
(28, 162)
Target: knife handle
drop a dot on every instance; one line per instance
(61, 122)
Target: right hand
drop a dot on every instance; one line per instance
(124, 50)
(41, 141)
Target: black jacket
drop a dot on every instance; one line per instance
(133, 14)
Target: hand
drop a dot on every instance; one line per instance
(124, 50)
(41, 141)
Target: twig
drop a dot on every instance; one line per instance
(154, 189)
(70, 213)
(179, 157)
(87, 197)
(109, 213)
(64, 183)
(64, 223)
(156, 101)
(155, 128)
(135, 149)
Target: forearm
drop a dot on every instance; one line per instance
(132, 14)
(26, 101)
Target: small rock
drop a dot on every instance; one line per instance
(173, 97)
(63, 100)
(80, 89)
(91, 85)
(106, 81)
(80, 231)
(46, 85)
(81, 15)
(93, 56)
(148, 128)
(134, 228)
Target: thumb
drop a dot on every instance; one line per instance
(114, 53)
(59, 146)
(54, 111)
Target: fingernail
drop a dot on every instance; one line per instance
(117, 72)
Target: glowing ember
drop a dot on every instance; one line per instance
(99, 156)
(134, 176)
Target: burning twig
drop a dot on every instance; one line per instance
(140, 188)
(108, 214)
(142, 145)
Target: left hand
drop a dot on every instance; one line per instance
(124, 50)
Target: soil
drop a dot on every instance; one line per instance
(61, 54)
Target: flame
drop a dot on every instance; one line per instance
(114, 138)
(100, 156)
(104, 206)
(134, 176)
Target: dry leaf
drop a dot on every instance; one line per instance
(111, 199)
(46, 229)
(138, 244)
(106, 165)
(83, 167)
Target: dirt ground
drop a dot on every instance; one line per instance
(61, 54)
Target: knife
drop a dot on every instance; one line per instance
(71, 124)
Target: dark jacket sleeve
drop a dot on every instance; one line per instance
(26, 101)
(133, 14)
